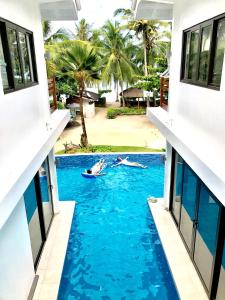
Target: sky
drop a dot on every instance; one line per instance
(96, 12)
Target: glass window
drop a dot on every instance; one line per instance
(188, 210)
(176, 206)
(25, 57)
(46, 194)
(221, 286)
(187, 49)
(219, 53)
(206, 234)
(204, 54)
(17, 59)
(193, 54)
(3, 65)
(14, 51)
(30, 201)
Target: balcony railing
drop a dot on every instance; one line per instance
(164, 89)
(52, 92)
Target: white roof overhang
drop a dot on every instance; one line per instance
(153, 9)
(59, 10)
(192, 149)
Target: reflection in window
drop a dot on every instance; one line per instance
(193, 54)
(3, 67)
(13, 45)
(219, 54)
(187, 49)
(45, 195)
(204, 54)
(178, 187)
(32, 213)
(188, 210)
(221, 285)
(25, 57)
(206, 234)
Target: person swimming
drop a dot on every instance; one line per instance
(97, 168)
(124, 161)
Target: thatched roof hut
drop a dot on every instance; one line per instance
(132, 93)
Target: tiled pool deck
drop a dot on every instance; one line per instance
(185, 276)
(51, 264)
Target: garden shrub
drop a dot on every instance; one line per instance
(112, 113)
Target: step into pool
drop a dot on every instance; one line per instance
(114, 251)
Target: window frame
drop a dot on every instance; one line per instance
(4, 26)
(213, 22)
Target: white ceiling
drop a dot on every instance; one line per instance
(154, 9)
(59, 10)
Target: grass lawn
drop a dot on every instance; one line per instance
(105, 148)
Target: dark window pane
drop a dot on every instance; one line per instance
(45, 194)
(187, 49)
(30, 201)
(13, 45)
(219, 54)
(204, 54)
(221, 286)
(206, 234)
(25, 57)
(188, 209)
(177, 187)
(3, 67)
(193, 55)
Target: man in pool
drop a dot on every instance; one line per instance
(124, 161)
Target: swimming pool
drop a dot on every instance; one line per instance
(114, 251)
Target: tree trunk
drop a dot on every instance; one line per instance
(145, 62)
(123, 101)
(117, 91)
(83, 139)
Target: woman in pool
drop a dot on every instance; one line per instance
(124, 161)
(97, 168)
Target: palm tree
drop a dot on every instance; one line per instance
(148, 32)
(81, 62)
(83, 31)
(60, 35)
(117, 65)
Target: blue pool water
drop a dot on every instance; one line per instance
(114, 251)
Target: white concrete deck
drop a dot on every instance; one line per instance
(52, 259)
(185, 276)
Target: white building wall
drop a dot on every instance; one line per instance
(24, 112)
(16, 263)
(198, 112)
(201, 109)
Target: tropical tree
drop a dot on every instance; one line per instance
(83, 31)
(117, 65)
(60, 35)
(81, 62)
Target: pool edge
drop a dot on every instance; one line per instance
(184, 274)
(52, 260)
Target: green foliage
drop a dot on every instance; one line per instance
(150, 82)
(66, 86)
(112, 113)
(161, 63)
(109, 148)
(60, 105)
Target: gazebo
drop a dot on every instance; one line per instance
(133, 96)
(89, 99)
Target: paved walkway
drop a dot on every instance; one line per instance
(122, 131)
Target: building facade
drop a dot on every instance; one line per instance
(28, 131)
(194, 128)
